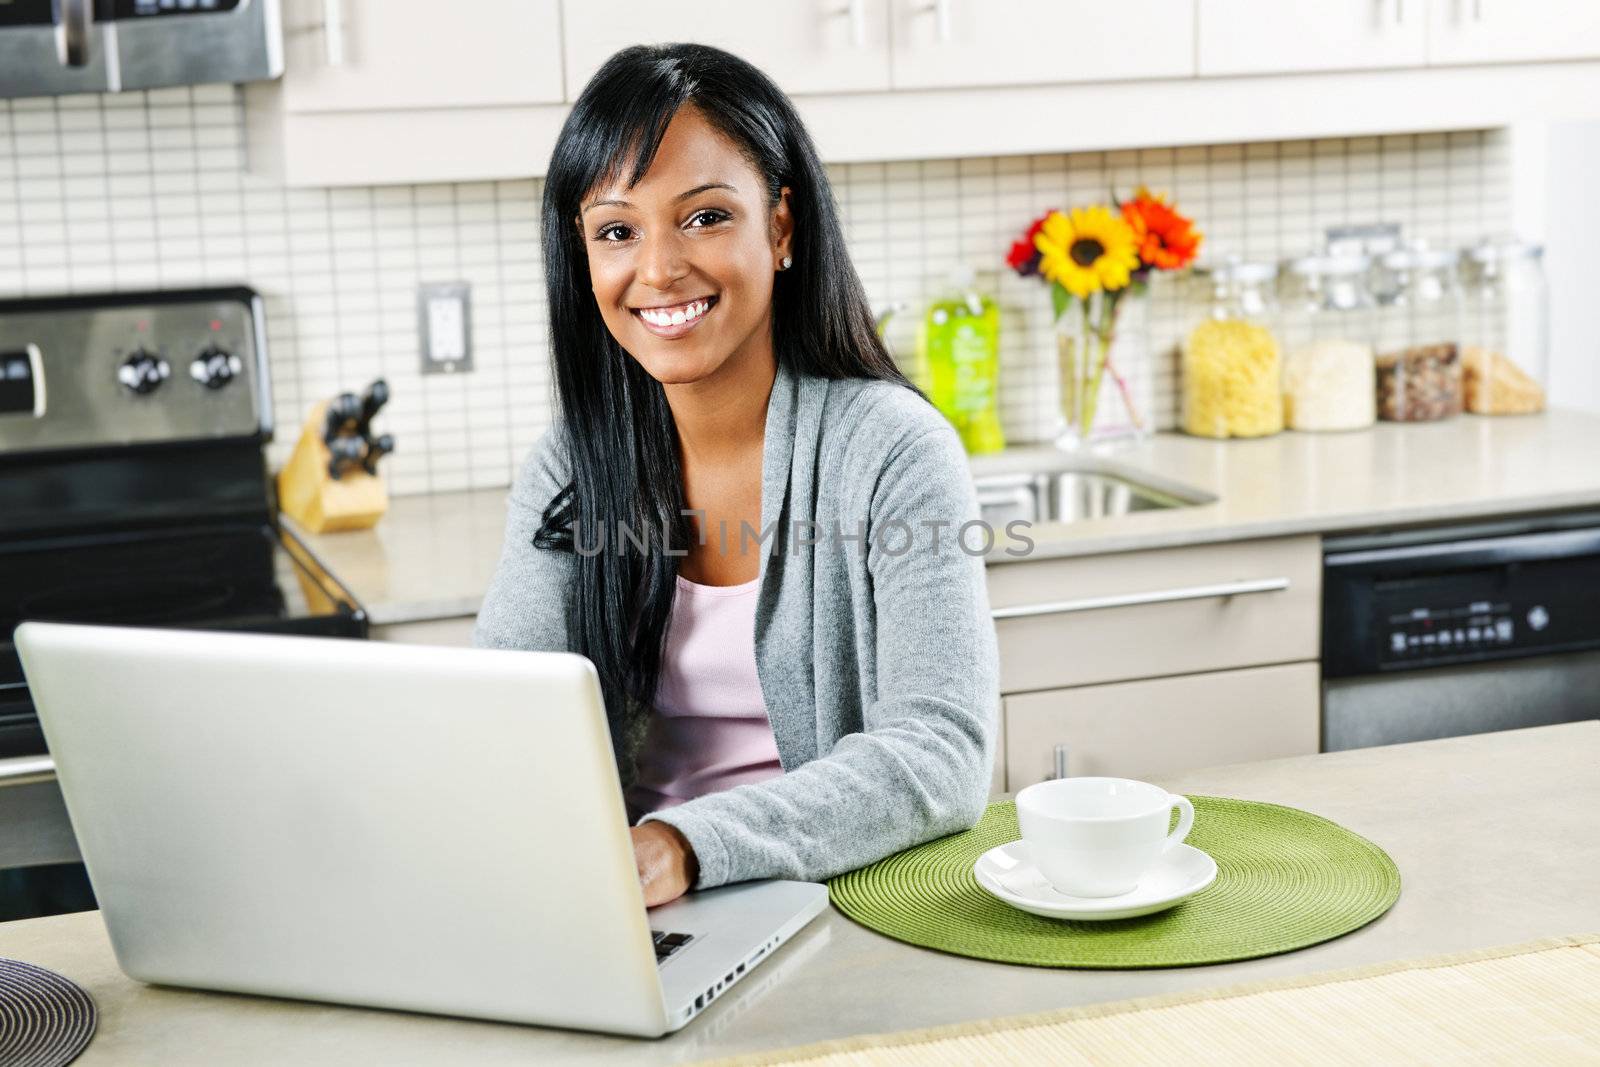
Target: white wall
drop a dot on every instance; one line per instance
(1572, 262)
(149, 189)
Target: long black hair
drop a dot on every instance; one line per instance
(618, 430)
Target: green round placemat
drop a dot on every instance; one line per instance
(1285, 879)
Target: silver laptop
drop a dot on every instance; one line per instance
(424, 828)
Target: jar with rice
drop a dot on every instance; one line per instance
(1230, 363)
(1328, 331)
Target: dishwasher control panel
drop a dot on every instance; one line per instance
(1429, 605)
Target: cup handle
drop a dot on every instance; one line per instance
(1185, 822)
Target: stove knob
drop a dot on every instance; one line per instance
(143, 371)
(214, 368)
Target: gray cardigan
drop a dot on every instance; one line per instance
(876, 656)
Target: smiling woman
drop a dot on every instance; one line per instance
(743, 513)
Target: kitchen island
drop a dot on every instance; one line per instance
(1493, 835)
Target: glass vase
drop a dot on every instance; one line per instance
(1102, 358)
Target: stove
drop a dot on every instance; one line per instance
(134, 491)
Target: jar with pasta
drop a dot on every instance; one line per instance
(1327, 328)
(1419, 337)
(1231, 372)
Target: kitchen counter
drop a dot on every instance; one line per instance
(1492, 834)
(432, 556)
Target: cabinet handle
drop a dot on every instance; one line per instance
(941, 15)
(333, 31)
(1477, 10)
(1060, 762)
(20, 770)
(856, 12)
(1399, 12)
(1128, 600)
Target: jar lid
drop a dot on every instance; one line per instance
(1238, 270)
(1487, 251)
(1418, 258)
(1325, 266)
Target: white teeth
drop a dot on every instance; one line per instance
(678, 316)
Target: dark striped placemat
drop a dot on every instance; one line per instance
(45, 1020)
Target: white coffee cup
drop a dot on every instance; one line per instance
(1096, 837)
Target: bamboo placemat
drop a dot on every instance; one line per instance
(1537, 1002)
(1285, 879)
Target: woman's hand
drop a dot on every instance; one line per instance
(666, 862)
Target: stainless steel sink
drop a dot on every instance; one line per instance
(1073, 495)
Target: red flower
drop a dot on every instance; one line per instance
(1024, 256)
(1167, 240)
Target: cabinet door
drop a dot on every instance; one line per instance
(810, 46)
(402, 54)
(1273, 37)
(941, 44)
(1165, 725)
(1491, 31)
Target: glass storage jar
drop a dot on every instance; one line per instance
(1504, 352)
(1419, 336)
(1327, 332)
(1230, 362)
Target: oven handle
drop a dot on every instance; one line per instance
(73, 19)
(1160, 596)
(22, 770)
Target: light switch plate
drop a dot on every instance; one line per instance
(444, 327)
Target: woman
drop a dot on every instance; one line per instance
(743, 513)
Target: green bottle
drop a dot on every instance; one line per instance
(959, 342)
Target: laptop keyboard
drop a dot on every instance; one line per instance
(667, 944)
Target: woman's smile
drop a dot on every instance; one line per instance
(670, 321)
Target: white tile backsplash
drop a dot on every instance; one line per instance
(148, 189)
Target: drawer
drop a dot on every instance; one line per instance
(1163, 725)
(1088, 619)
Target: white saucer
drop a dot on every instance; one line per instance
(1007, 873)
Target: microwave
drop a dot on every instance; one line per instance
(49, 47)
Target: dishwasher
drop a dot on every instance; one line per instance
(1450, 631)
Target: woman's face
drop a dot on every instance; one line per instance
(692, 247)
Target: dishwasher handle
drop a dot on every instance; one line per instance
(1161, 596)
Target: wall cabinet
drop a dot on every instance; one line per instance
(1511, 31)
(392, 92)
(1271, 37)
(946, 44)
(804, 47)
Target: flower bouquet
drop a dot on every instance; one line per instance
(1094, 258)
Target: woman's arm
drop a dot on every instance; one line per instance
(921, 768)
(526, 604)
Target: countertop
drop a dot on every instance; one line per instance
(1493, 836)
(432, 555)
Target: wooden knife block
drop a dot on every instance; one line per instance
(315, 499)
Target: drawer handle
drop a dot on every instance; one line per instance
(1160, 596)
(19, 770)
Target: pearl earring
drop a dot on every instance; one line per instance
(786, 261)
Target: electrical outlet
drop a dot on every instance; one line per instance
(444, 326)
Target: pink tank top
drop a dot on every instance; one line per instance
(711, 730)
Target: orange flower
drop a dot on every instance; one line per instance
(1166, 239)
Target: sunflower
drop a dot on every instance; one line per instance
(1087, 251)
(1165, 239)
